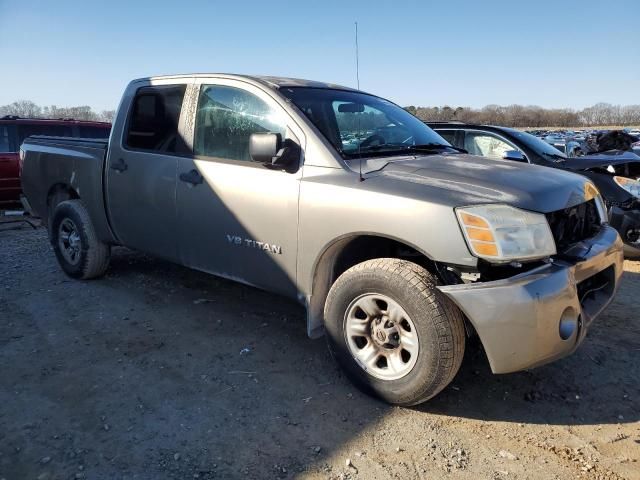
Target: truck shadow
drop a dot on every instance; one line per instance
(574, 391)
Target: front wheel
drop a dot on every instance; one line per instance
(79, 251)
(393, 332)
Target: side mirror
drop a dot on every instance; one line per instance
(264, 146)
(273, 152)
(516, 155)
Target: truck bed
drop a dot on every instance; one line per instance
(75, 162)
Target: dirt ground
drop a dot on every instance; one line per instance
(156, 371)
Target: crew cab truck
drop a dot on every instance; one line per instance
(398, 244)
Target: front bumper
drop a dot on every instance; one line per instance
(543, 314)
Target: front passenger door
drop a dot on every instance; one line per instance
(238, 218)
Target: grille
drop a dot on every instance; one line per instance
(572, 225)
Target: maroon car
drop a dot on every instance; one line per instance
(13, 130)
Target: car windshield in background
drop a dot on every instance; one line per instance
(539, 146)
(358, 124)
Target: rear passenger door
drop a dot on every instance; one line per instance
(141, 169)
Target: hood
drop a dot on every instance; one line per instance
(459, 180)
(601, 160)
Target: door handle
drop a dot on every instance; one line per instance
(119, 166)
(192, 177)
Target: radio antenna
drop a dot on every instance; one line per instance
(361, 178)
(357, 60)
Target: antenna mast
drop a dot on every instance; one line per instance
(361, 178)
(357, 60)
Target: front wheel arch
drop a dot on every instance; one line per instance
(343, 253)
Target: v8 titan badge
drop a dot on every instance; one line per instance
(248, 242)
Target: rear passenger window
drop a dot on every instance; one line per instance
(153, 121)
(4, 139)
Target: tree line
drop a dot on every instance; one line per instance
(525, 116)
(28, 109)
(531, 116)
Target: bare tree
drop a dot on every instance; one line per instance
(107, 116)
(28, 109)
(21, 108)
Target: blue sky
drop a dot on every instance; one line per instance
(461, 53)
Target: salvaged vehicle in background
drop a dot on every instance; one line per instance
(13, 130)
(397, 244)
(570, 147)
(615, 173)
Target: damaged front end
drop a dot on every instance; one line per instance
(533, 313)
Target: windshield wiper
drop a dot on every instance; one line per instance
(401, 147)
(430, 147)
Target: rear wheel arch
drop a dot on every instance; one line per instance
(57, 194)
(345, 252)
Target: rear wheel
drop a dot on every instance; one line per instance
(77, 247)
(393, 332)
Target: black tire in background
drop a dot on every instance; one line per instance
(438, 322)
(77, 247)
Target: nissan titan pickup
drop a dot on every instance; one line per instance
(399, 245)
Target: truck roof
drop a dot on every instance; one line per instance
(272, 82)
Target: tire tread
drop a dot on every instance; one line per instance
(98, 254)
(447, 319)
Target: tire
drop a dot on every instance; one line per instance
(77, 247)
(434, 319)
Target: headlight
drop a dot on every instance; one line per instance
(629, 184)
(592, 193)
(500, 233)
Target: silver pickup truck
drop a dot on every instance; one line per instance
(399, 245)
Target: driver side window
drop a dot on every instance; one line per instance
(486, 145)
